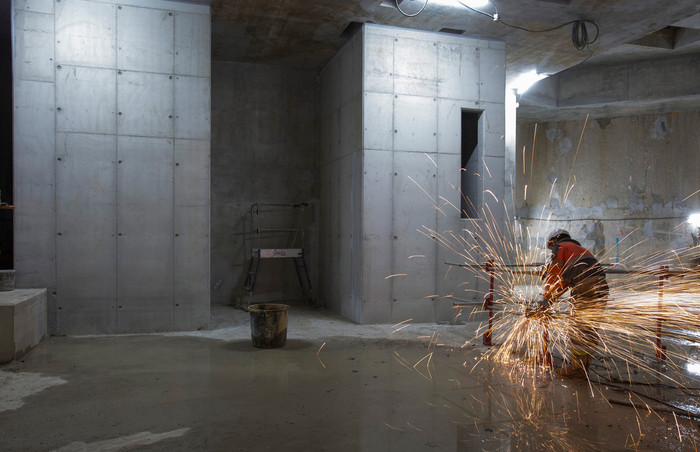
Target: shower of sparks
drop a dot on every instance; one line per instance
(641, 338)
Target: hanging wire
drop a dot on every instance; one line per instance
(398, 6)
(579, 31)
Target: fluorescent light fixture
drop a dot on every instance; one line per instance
(526, 80)
(694, 220)
(461, 3)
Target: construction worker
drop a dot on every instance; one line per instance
(573, 267)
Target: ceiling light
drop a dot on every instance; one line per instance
(526, 80)
(694, 220)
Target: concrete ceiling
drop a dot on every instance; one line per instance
(305, 34)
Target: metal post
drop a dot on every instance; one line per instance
(488, 303)
(545, 357)
(661, 349)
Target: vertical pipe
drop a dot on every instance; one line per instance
(488, 302)
(660, 349)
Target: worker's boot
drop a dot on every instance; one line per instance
(577, 369)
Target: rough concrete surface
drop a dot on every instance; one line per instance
(623, 186)
(334, 386)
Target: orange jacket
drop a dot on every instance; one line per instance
(570, 265)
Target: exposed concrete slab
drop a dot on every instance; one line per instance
(22, 321)
(615, 90)
(334, 386)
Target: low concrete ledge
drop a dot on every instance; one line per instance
(22, 322)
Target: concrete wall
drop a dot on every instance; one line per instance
(341, 163)
(111, 162)
(634, 180)
(263, 151)
(392, 154)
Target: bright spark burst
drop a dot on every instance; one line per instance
(643, 335)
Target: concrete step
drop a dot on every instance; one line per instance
(22, 322)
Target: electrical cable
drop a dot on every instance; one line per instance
(579, 31)
(425, 2)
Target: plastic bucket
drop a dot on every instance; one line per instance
(268, 324)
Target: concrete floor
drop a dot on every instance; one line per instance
(335, 386)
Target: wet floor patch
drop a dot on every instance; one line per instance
(335, 394)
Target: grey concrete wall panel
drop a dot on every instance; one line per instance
(145, 233)
(34, 46)
(351, 70)
(145, 104)
(681, 76)
(356, 238)
(415, 123)
(494, 184)
(492, 74)
(458, 71)
(329, 226)
(145, 39)
(377, 237)
(37, 6)
(86, 34)
(449, 280)
(34, 181)
(324, 138)
(330, 86)
(86, 99)
(351, 126)
(86, 216)
(413, 254)
(191, 268)
(335, 130)
(576, 88)
(493, 126)
(76, 316)
(345, 237)
(191, 273)
(449, 140)
(82, 187)
(192, 107)
(192, 44)
(378, 63)
(174, 5)
(448, 189)
(192, 173)
(378, 121)
(415, 67)
(325, 92)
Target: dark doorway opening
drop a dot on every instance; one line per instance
(471, 181)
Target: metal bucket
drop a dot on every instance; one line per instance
(7, 280)
(268, 324)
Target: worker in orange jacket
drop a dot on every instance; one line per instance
(573, 267)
